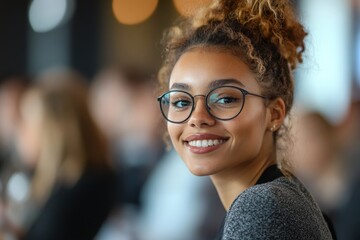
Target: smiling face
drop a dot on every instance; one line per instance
(209, 146)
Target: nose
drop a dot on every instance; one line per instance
(200, 116)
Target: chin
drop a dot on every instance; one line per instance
(200, 170)
(199, 166)
(199, 174)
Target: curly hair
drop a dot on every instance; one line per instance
(264, 34)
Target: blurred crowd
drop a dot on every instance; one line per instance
(89, 159)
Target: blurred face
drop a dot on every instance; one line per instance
(8, 113)
(207, 145)
(104, 95)
(30, 128)
(314, 148)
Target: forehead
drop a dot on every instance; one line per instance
(199, 67)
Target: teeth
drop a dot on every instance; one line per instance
(205, 143)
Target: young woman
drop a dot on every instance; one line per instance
(229, 87)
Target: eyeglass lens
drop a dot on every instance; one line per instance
(223, 103)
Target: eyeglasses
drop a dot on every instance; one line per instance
(223, 103)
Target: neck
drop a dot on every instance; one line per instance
(231, 183)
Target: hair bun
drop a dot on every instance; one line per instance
(274, 20)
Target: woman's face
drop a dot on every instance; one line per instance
(239, 141)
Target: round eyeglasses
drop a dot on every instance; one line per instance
(223, 103)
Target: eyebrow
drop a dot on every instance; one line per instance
(214, 84)
(180, 86)
(226, 81)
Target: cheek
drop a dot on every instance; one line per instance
(175, 131)
(248, 132)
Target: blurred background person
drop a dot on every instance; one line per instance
(316, 159)
(11, 90)
(72, 186)
(122, 100)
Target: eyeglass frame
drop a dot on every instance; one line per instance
(243, 91)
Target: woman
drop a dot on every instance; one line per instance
(231, 52)
(72, 183)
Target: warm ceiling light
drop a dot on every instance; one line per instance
(133, 11)
(189, 7)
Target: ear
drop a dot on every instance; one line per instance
(277, 112)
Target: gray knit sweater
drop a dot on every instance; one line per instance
(279, 209)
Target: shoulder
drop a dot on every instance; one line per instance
(278, 208)
(263, 201)
(272, 195)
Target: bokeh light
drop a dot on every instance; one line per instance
(189, 7)
(18, 187)
(46, 15)
(131, 12)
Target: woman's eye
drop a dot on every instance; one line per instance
(226, 100)
(181, 103)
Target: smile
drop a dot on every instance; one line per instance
(205, 142)
(201, 143)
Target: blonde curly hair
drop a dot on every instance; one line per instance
(264, 34)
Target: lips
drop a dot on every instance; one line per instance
(204, 143)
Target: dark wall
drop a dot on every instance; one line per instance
(13, 31)
(85, 37)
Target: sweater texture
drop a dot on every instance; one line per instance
(279, 209)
